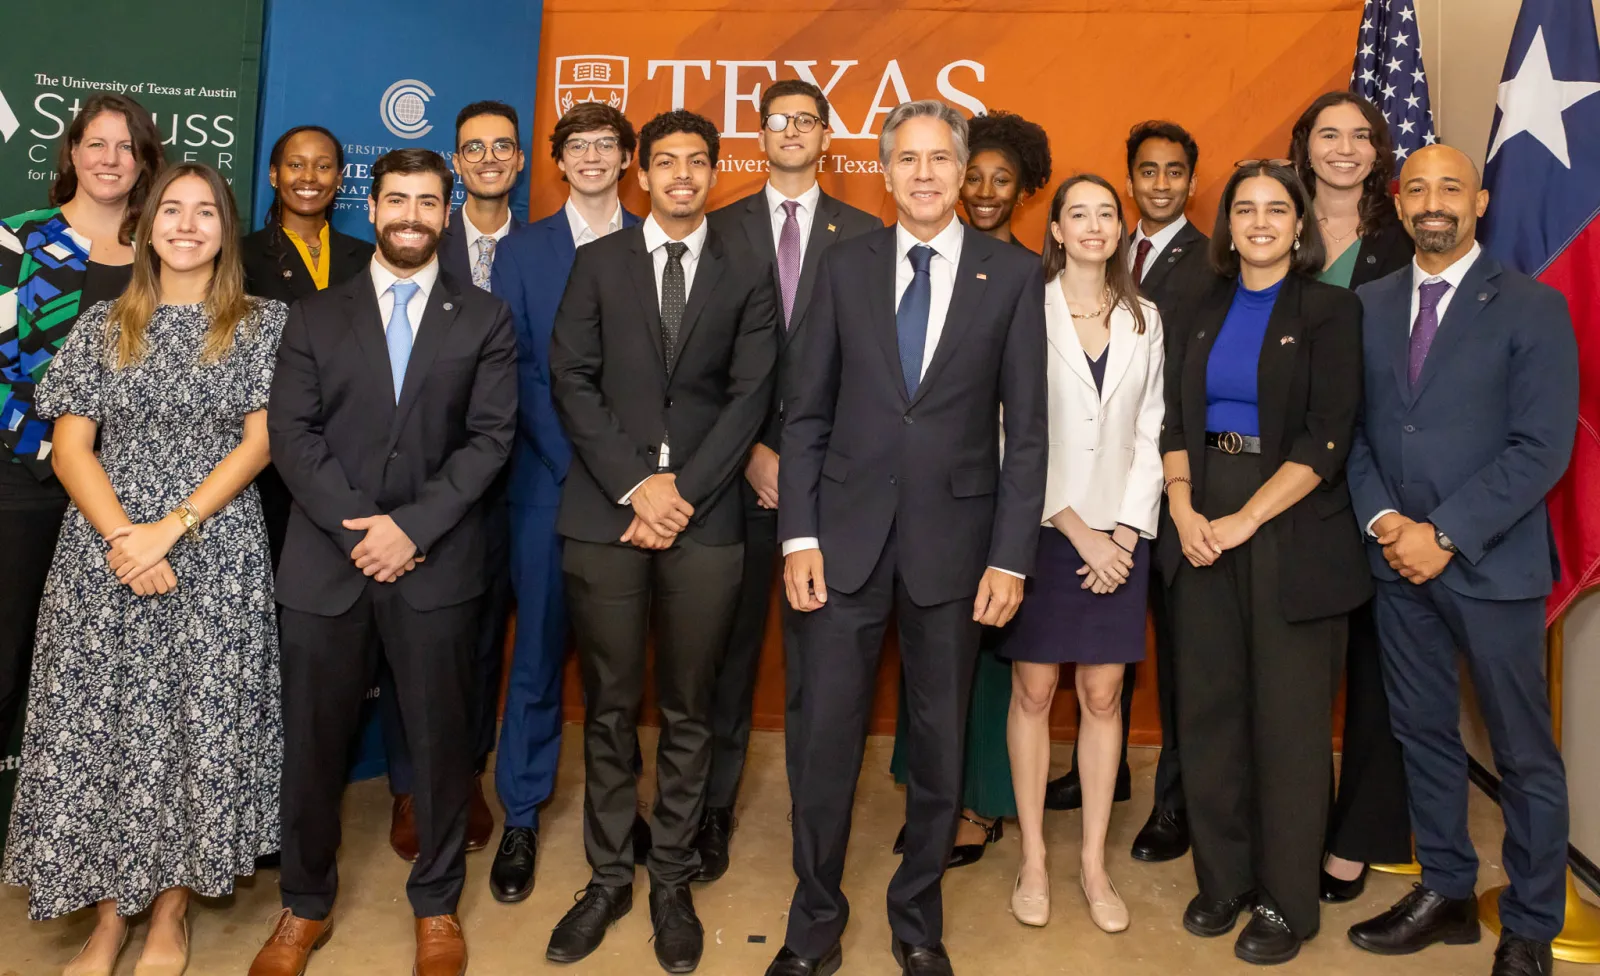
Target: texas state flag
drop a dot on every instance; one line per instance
(1543, 176)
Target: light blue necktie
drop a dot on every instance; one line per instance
(399, 332)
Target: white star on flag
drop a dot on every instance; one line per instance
(1533, 101)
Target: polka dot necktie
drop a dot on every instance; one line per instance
(674, 296)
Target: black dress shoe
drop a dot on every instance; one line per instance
(583, 927)
(511, 877)
(679, 936)
(716, 826)
(790, 963)
(922, 960)
(1210, 917)
(966, 854)
(1164, 837)
(1417, 921)
(1066, 792)
(1337, 891)
(1516, 956)
(1266, 939)
(641, 840)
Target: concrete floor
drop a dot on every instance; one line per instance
(744, 913)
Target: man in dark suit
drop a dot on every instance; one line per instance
(1168, 256)
(392, 411)
(922, 339)
(592, 145)
(1471, 409)
(791, 224)
(662, 360)
(488, 159)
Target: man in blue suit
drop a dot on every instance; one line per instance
(1471, 409)
(592, 145)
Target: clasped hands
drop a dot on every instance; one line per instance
(386, 553)
(138, 555)
(1206, 539)
(1411, 548)
(659, 513)
(1107, 558)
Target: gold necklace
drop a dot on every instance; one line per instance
(1104, 304)
(1340, 240)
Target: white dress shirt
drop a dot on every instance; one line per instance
(473, 233)
(383, 279)
(1451, 276)
(804, 214)
(582, 233)
(1158, 243)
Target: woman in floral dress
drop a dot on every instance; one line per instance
(154, 734)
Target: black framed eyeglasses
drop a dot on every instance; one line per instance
(605, 146)
(803, 121)
(475, 150)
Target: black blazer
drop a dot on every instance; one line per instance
(748, 221)
(1308, 394)
(1180, 272)
(1383, 252)
(860, 457)
(273, 268)
(346, 449)
(616, 398)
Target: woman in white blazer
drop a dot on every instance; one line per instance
(1085, 604)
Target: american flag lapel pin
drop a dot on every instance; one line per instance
(982, 276)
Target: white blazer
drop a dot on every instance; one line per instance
(1104, 460)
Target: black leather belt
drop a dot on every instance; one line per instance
(1229, 442)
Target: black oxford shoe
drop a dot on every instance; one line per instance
(1266, 940)
(511, 877)
(1066, 792)
(716, 828)
(1337, 891)
(1164, 837)
(679, 937)
(1210, 917)
(1516, 956)
(790, 963)
(583, 927)
(922, 960)
(1417, 921)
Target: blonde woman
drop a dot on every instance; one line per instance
(154, 736)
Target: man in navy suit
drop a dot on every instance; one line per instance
(592, 145)
(1471, 408)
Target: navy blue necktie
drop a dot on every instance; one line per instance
(911, 318)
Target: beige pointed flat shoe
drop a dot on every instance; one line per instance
(1109, 916)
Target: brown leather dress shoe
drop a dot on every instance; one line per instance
(403, 828)
(290, 946)
(480, 822)
(441, 951)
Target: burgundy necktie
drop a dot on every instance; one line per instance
(1425, 328)
(789, 258)
(1138, 260)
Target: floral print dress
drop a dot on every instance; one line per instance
(154, 735)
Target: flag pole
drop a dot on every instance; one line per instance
(1579, 940)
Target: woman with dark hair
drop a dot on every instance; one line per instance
(53, 264)
(1009, 162)
(1342, 149)
(298, 253)
(154, 741)
(1085, 602)
(1262, 390)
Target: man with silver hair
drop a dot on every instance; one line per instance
(906, 507)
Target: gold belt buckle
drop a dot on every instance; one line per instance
(1230, 442)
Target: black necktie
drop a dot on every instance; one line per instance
(674, 296)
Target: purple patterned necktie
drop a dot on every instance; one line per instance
(789, 258)
(1425, 328)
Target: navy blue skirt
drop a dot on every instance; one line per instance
(1059, 622)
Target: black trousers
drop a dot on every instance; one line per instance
(1369, 821)
(612, 592)
(736, 679)
(836, 658)
(28, 540)
(1255, 703)
(328, 664)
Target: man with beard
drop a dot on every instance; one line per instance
(662, 361)
(1471, 408)
(488, 160)
(393, 410)
(790, 223)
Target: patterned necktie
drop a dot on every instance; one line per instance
(399, 332)
(1138, 260)
(789, 258)
(674, 296)
(1425, 328)
(911, 318)
(485, 262)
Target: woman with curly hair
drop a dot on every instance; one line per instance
(1009, 162)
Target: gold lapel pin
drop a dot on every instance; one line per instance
(832, 228)
(982, 276)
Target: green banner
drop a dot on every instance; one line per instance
(195, 66)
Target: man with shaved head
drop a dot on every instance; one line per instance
(1471, 409)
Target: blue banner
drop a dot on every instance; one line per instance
(391, 76)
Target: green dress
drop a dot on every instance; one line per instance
(986, 789)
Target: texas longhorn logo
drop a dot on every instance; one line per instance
(591, 78)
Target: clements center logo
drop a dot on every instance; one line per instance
(591, 78)
(404, 109)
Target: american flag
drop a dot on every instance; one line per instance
(1389, 73)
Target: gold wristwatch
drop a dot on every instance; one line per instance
(190, 517)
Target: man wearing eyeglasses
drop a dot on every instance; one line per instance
(592, 145)
(790, 222)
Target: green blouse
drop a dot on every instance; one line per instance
(1340, 271)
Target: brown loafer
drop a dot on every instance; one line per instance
(290, 946)
(441, 950)
(480, 822)
(403, 828)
